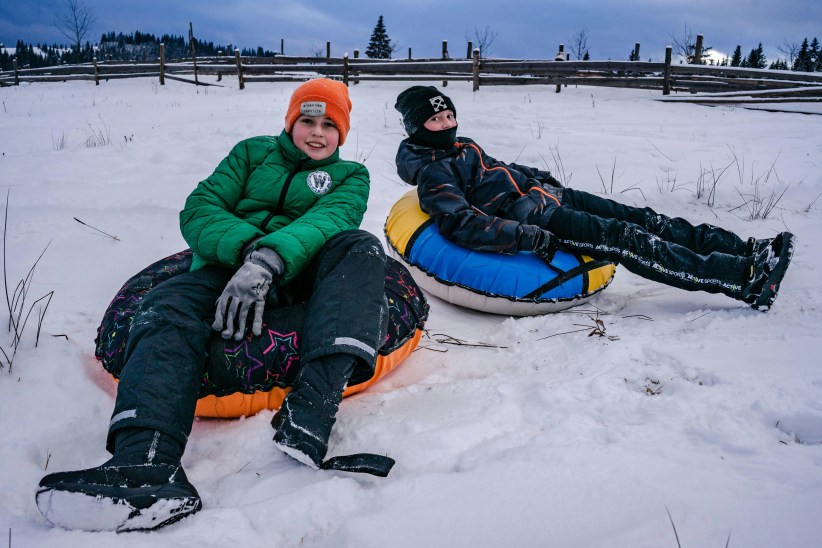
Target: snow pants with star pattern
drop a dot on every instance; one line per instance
(169, 339)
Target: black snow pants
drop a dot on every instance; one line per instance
(167, 347)
(664, 249)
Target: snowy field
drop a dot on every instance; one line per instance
(691, 403)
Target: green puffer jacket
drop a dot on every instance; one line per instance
(267, 190)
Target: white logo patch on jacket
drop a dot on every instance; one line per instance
(319, 182)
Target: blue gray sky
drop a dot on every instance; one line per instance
(524, 28)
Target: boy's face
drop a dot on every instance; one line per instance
(441, 121)
(316, 136)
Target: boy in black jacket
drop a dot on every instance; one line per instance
(486, 205)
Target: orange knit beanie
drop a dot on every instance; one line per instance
(321, 97)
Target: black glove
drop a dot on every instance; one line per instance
(548, 180)
(546, 246)
(249, 286)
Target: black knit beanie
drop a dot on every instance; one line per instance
(419, 103)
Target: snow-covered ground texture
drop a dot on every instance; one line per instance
(546, 434)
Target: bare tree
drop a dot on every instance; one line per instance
(394, 47)
(483, 40)
(684, 45)
(578, 44)
(789, 49)
(317, 51)
(76, 23)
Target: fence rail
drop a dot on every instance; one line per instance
(481, 72)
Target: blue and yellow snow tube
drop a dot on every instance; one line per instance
(514, 285)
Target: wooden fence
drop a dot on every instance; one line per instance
(666, 77)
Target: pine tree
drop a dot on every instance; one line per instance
(379, 47)
(736, 59)
(803, 58)
(757, 59)
(815, 63)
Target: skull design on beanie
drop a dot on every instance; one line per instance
(419, 103)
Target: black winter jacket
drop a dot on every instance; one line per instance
(478, 202)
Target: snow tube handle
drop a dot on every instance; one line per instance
(366, 463)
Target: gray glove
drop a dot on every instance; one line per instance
(249, 286)
(546, 246)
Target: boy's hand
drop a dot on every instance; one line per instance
(549, 180)
(546, 246)
(249, 286)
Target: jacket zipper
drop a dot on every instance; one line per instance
(283, 193)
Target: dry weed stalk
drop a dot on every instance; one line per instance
(16, 302)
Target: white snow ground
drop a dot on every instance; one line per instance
(693, 402)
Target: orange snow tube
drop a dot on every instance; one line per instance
(239, 404)
(245, 377)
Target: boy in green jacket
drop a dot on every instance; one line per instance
(276, 221)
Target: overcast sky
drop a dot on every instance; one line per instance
(524, 28)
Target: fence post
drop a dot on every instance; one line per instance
(470, 50)
(445, 56)
(96, 72)
(560, 56)
(636, 51)
(356, 56)
(475, 70)
(162, 64)
(666, 77)
(345, 69)
(282, 46)
(328, 50)
(697, 51)
(409, 54)
(193, 51)
(239, 68)
(16, 73)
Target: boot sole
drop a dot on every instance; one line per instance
(297, 455)
(138, 509)
(766, 299)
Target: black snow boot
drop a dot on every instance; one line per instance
(308, 413)
(142, 487)
(755, 246)
(768, 267)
